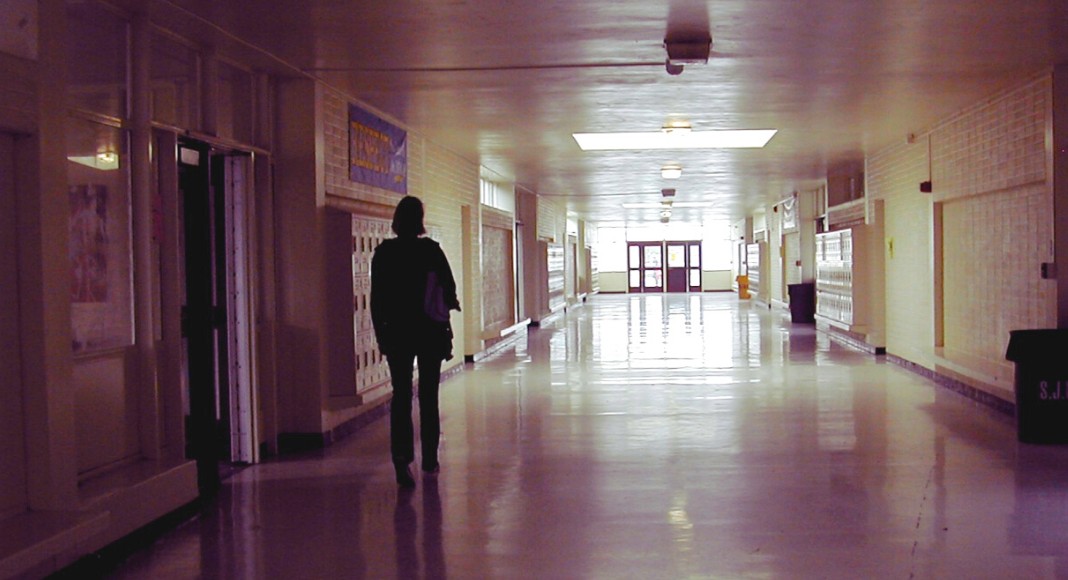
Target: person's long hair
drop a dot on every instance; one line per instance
(408, 218)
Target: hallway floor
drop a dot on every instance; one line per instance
(657, 436)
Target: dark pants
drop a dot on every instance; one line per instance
(402, 437)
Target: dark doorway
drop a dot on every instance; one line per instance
(202, 194)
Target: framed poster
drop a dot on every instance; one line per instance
(99, 237)
(378, 152)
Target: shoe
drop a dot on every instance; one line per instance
(431, 468)
(404, 476)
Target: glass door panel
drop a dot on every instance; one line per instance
(694, 263)
(653, 256)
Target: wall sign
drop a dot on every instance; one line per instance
(378, 152)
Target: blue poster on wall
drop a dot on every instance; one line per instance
(378, 152)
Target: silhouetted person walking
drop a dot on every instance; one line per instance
(412, 291)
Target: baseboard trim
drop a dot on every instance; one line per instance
(978, 395)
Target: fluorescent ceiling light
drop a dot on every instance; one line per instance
(742, 138)
(677, 204)
(671, 171)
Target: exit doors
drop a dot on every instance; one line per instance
(664, 266)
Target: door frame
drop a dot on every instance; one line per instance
(686, 271)
(216, 257)
(637, 267)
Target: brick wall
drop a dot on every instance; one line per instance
(443, 180)
(552, 221)
(994, 246)
(988, 170)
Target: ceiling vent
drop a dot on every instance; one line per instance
(690, 51)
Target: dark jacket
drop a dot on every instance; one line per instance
(399, 272)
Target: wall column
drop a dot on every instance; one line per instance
(143, 264)
(44, 290)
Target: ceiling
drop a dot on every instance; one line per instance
(505, 84)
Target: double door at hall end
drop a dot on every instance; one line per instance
(664, 266)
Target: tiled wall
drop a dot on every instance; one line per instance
(988, 170)
(552, 221)
(994, 246)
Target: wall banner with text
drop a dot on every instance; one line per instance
(378, 152)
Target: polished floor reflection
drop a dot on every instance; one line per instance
(657, 436)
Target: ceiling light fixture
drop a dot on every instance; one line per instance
(688, 50)
(668, 192)
(684, 51)
(671, 171)
(676, 127)
(635, 141)
(677, 204)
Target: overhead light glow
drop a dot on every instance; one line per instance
(671, 171)
(677, 204)
(742, 138)
(676, 127)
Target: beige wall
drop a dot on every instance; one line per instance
(716, 280)
(894, 175)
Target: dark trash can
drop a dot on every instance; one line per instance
(1041, 384)
(802, 302)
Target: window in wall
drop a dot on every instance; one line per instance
(234, 103)
(497, 195)
(174, 82)
(99, 227)
(97, 48)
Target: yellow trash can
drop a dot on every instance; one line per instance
(743, 286)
